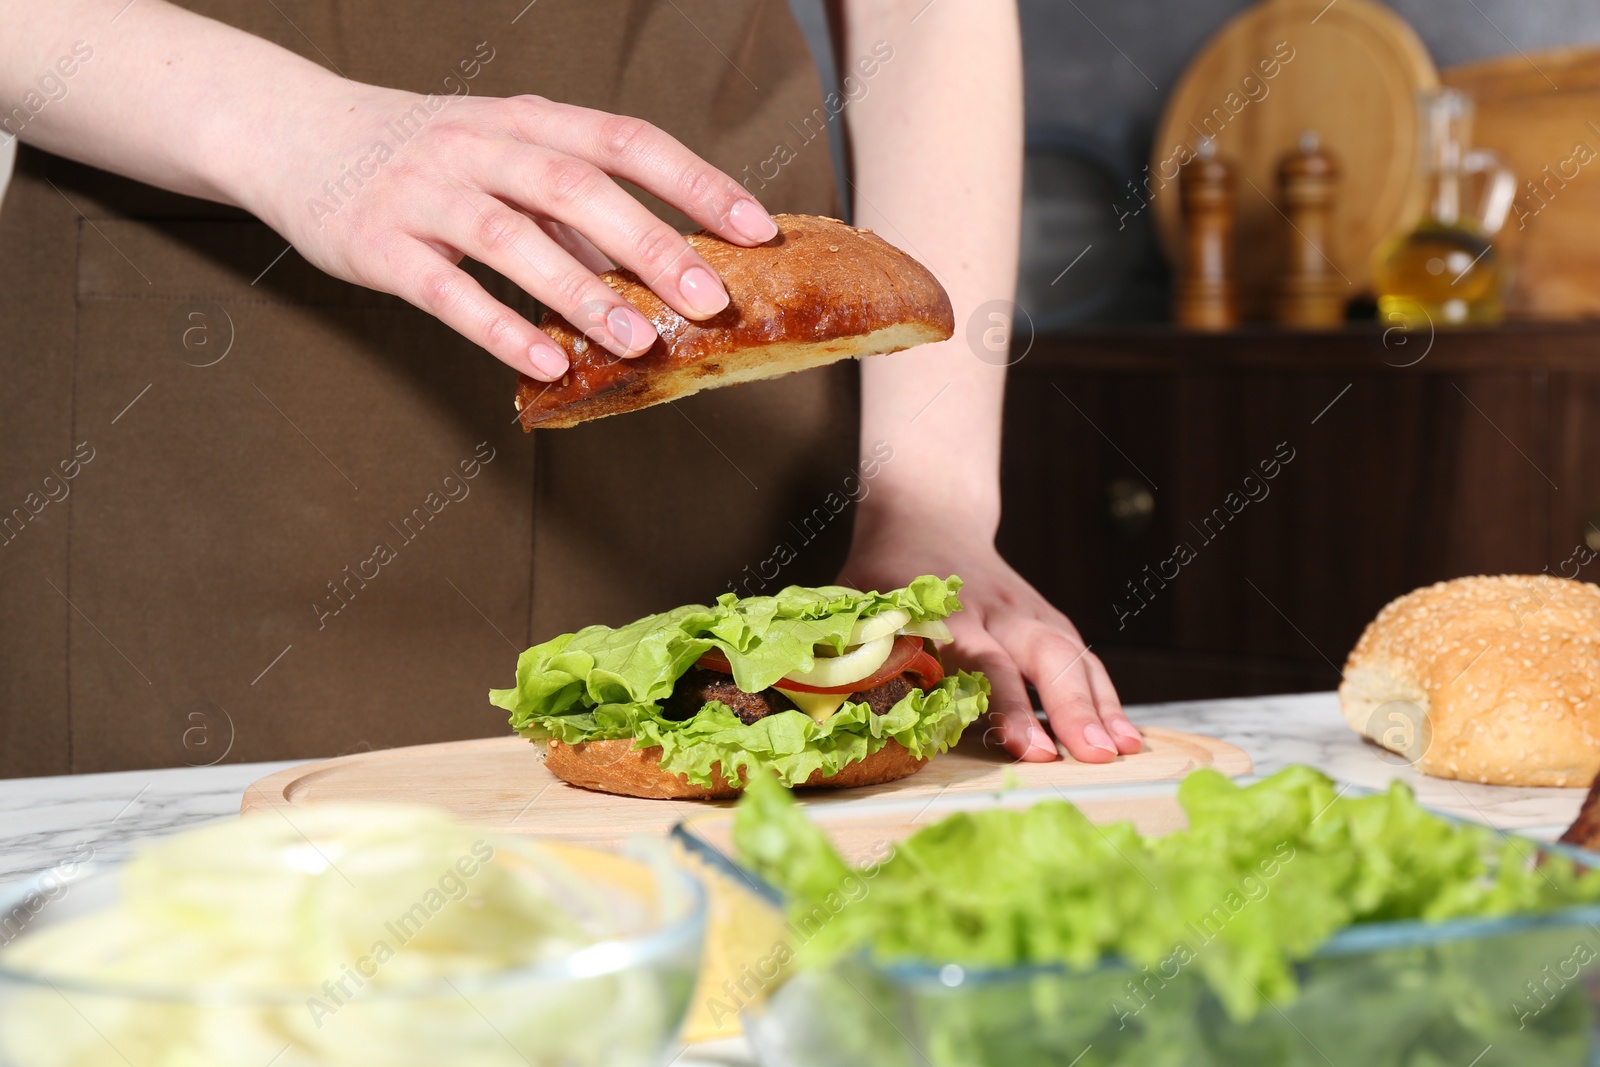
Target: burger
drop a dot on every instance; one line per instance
(823, 686)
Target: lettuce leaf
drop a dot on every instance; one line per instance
(1260, 879)
(603, 683)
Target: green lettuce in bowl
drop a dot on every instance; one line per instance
(1291, 922)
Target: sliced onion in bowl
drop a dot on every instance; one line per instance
(876, 626)
(854, 665)
(932, 629)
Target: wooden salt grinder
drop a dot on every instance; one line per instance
(1207, 296)
(1310, 293)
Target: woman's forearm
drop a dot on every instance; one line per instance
(938, 168)
(937, 145)
(155, 92)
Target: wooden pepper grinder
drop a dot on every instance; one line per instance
(1208, 293)
(1311, 294)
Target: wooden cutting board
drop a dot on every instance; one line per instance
(1354, 70)
(500, 782)
(1541, 111)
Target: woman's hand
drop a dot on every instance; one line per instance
(391, 190)
(1010, 633)
(385, 188)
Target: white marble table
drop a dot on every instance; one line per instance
(45, 821)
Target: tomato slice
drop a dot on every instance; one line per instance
(907, 655)
(927, 668)
(715, 660)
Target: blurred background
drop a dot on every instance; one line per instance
(1222, 471)
(1409, 437)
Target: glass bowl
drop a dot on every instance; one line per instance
(1510, 992)
(616, 1003)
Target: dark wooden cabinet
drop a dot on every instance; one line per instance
(1137, 495)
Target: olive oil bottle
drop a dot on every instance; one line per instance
(1446, 271)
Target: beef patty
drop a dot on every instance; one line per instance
(881, 698)
(700, 686)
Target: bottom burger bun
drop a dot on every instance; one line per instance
(615, 766)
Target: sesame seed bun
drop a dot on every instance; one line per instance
(1485, 679)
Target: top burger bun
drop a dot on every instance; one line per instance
(818, 292)
(1487, 679)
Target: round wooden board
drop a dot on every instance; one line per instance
(1544, 133)
(1355, 70)
(500, 782)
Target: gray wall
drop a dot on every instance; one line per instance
(1078, 80)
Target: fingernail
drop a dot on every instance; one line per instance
(548, 362)
(1096, 736)
(752, 221)
(1126, 729)
(1040, 741)
(702, 292)
(631, 330)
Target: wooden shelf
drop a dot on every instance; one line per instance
(1477, 458)
(1521, 346)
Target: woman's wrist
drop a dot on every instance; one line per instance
(284, 161)
(920, 477)
(897, 513)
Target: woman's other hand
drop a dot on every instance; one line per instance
(1007, 630)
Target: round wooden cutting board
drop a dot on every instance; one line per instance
(1541, 111)
(1350, 70)
(500, 782)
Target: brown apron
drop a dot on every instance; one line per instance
(249, 512)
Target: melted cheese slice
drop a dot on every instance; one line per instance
(817, 705)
